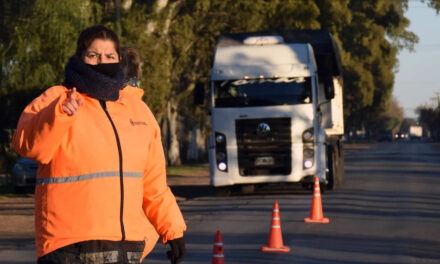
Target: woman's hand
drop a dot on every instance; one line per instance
(178, 250)
(72, 103)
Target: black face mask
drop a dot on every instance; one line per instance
(109, 69)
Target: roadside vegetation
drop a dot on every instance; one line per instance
(188, 170)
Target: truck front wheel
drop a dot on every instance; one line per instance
(332, 170)
(335, 165)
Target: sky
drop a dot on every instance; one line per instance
(418, 79)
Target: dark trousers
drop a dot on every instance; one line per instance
(96, 252)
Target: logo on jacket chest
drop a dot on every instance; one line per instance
(138, 123)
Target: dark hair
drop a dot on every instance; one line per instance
(89, 34)
(130, 61)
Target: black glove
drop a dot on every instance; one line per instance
(178, 250)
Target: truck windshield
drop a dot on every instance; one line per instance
(262, 92)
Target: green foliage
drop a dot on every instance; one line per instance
(42, 42)
(37, 38)
(429, 118)
(389, 120)
(370, 43)
(155, 51)
(334, 15)
(7, 155)
(434, 4)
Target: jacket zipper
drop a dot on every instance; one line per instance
(121, 173)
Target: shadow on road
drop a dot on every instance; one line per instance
(197, 191)
(193, 191)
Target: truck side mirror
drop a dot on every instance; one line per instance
(199, 94)
(329, 88)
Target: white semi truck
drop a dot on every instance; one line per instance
(415, 132)
(276, 109)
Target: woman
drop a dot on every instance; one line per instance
(101, 179)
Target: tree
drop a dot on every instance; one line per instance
(390, 120)
(429, 118)
(434, 4)
(37, 37)
(371, 43)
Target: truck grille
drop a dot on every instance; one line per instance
(264, 154)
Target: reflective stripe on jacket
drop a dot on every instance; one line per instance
(86, 183)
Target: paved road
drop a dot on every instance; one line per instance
(388, 211)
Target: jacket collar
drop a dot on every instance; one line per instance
(129, 91)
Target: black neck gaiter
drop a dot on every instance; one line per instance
(109, 69)
(99, 82)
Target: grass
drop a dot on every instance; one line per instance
(188, 170)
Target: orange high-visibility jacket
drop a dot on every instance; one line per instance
(102, 176)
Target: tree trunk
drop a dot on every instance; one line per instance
(197, 145)
(193, 152)
(201, 145)
(164, 133)
(173, 152)
(126, 4)
(158, 7)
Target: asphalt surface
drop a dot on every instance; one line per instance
(387, 211)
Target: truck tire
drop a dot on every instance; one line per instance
(335, 164)
(340, 163)
(332, 176)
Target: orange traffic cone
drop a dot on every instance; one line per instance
(217, 252)
(275, 240)
(316, 215)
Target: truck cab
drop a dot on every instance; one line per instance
(276, 117)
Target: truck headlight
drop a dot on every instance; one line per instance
(220, 152)
(222, 166)
(307, 135)
(308, 158)
(308, 164)
(219, 138)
